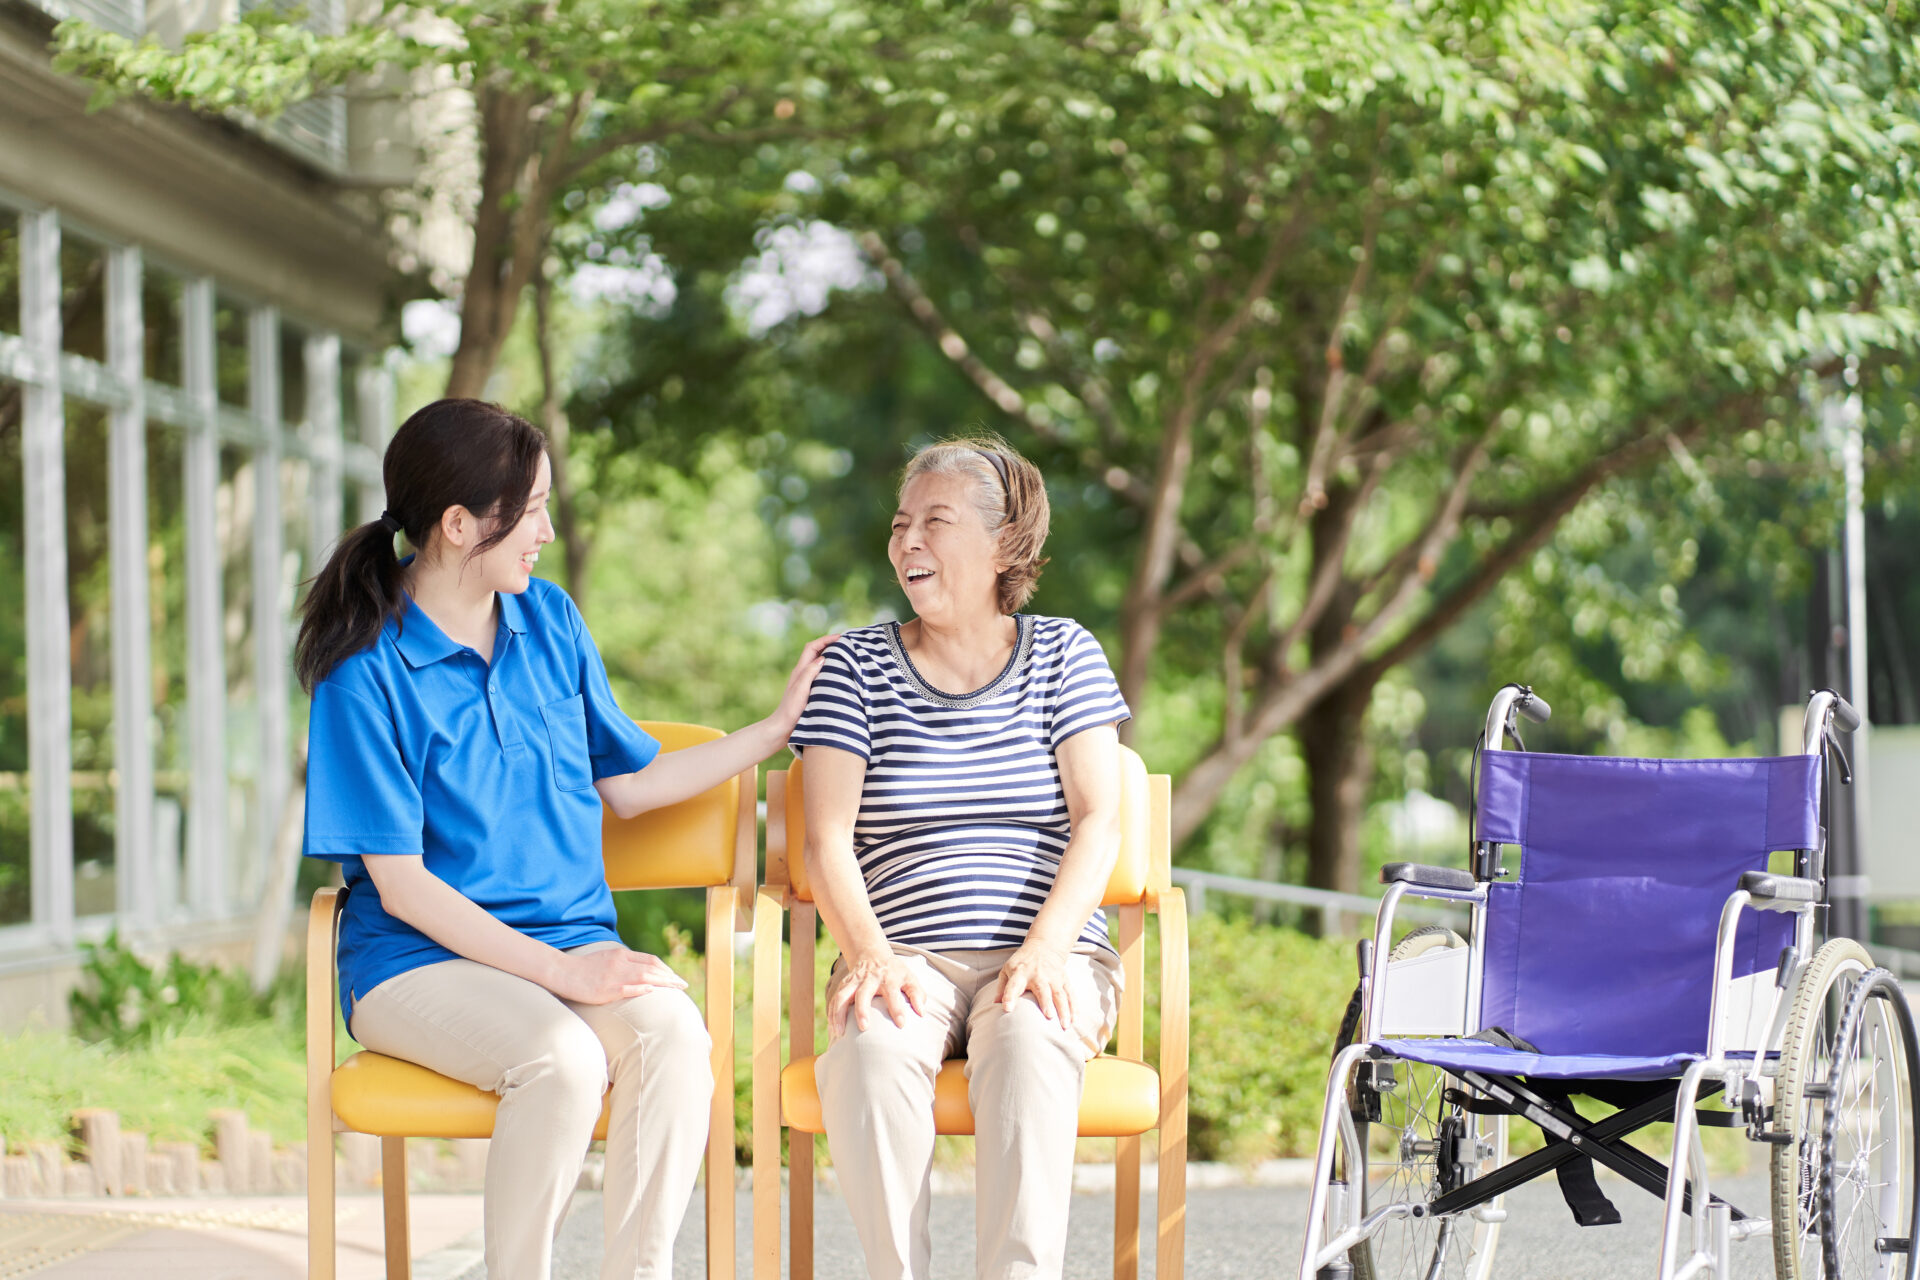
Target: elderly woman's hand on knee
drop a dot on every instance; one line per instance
(881, 974)
(1039, 969)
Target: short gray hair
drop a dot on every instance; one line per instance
(1012, 505)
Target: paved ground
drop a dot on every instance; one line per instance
(1232, 1232)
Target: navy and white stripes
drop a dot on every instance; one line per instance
(962, 816)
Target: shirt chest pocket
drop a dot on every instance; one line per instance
(567, 733)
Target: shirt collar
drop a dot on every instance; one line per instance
(513, 612)
(418, 638)
(421, 641)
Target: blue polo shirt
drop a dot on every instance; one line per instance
(417, 746)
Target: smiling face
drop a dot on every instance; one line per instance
(508, 565)
(942, 552)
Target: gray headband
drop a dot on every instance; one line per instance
(1006, 481)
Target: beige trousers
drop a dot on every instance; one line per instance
(1024, 1075)
(550, 1060)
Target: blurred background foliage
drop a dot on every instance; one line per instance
(1376, 354)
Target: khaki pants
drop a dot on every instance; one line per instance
(1024, 1075)
(550, 1060)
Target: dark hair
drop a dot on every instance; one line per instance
(452, 453)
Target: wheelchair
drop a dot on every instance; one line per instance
(1640, 953)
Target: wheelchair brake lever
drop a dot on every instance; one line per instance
(1839, 753)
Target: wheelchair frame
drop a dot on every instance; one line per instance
(1336, 1223)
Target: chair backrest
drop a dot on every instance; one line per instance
(1133, 874)
(1604, 941)
(693, 844)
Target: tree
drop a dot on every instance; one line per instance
(1348, 308)
(564, 96)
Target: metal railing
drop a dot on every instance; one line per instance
(1199, 884)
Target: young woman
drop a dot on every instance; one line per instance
(462, 743)
(963, 799)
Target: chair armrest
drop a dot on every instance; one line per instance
(1426, 877)
(323, 922)
(1772, 892)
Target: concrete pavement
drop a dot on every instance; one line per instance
(1233, 1231)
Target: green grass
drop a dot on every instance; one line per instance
(164, 1089)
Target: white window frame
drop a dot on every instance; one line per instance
(50, 377)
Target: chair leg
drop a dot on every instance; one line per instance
(320, 1258)
(1126, 1209)
(393, 1192)
(1171, 1199)
(720, 1241)
(800, 1205)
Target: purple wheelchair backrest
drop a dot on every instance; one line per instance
(1603, 943)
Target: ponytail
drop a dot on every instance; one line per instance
(350, 601)
(452, 453)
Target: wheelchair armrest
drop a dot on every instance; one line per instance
(1772, 892)
(1426, 877)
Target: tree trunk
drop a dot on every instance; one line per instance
(575, 543)
(1333, 742)
(518, 161)
(1332, 732)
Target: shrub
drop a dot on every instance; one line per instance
(126, 1002)
(1266, 1002)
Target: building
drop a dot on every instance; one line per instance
(192, 401)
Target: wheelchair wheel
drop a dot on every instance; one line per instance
(1413, 1154)
(1868, 1194)
(1821, 999)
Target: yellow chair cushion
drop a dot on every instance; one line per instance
(1121, 1098)
(391, 1098)
(689, 844)
(1128, 883)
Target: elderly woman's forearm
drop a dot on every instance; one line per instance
(840, 892)
(1085, 868)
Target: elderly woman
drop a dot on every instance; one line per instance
(962, 820)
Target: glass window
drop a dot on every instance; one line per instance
(296, 538)
(350, 361)
(363, 503)
(160, 313)
(167, 609)
(16, 903)
(293, 378)
(234, 512)
(9, 273)
(231, 374)
(90, 619)
(83, 297)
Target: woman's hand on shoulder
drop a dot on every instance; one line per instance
(799, 685)
(1039, 969)
(602, 977)
(879, 973)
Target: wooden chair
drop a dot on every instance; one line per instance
(706, 842)
(1124, 1096)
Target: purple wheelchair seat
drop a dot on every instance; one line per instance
(1600, 951)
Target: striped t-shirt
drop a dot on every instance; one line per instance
(962, 815)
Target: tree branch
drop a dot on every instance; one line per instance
(1004, 395)
(1535, 525)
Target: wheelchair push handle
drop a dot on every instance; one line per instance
(1826, 710)
(1512, 698)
